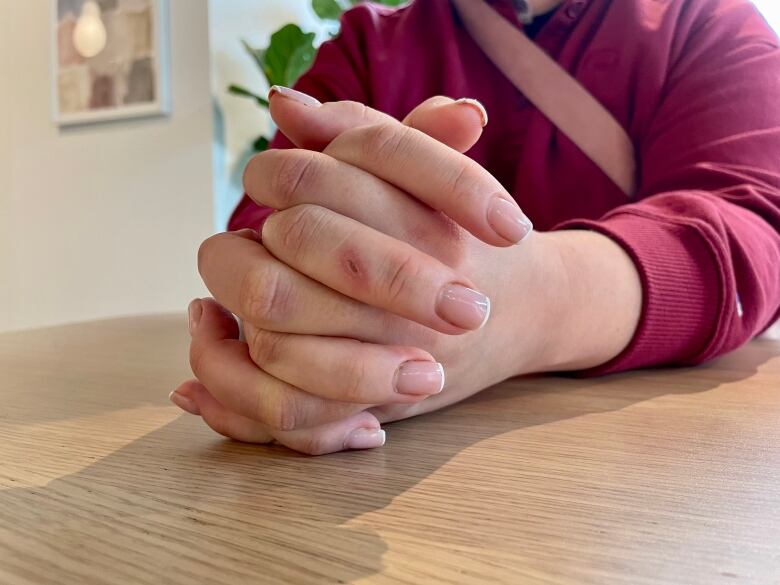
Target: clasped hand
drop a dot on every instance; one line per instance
(385, 285)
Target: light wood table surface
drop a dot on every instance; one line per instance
(659, 477)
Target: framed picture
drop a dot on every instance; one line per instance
(110, 60)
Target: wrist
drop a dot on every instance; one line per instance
(589, 300)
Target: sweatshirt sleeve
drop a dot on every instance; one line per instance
(704, 231)
(336, 74)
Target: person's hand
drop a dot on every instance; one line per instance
(298, 371)
(458, 125)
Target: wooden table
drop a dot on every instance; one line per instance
(653, 477)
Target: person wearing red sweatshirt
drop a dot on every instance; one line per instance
(373, 253)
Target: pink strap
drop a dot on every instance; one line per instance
(559, 96)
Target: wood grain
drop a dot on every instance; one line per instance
(659, 477)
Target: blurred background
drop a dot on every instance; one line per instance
(104, 200)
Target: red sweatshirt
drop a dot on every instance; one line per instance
(695, 83)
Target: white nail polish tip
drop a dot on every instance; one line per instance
(365, 439)
(441, 369)
(525, 237)
(294, 95)
(487, 313)
(479, 107)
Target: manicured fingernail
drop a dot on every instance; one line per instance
(294, 95)
(185, 403)
(508, 221)
(365, 439)
(463, 307)
(195, 310)
(483, 115)
(419, 378)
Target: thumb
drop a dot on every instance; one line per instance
(458, 123)
(312, 125)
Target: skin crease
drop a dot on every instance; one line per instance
(579, 293)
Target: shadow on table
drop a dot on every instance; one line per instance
(182, 497)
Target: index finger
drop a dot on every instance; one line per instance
(309, 124)
(440, 177)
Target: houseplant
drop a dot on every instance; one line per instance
(291, 52)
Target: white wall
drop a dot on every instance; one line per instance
(240, 121)
(101, 220)
(771, 11)
(5, 149)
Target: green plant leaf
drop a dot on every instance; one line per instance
(261, 144)
(257, 54)
(238, 90)
(327, 9)
(299, 63)
(288, 56)
(385, 2)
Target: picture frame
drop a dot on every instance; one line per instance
(127, 78)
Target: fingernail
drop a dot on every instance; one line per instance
(463, 307)
(195, 310)
(365, 439)
(477, 105)
(508, 221)
(294, 95)
(419, 378)
(186, 404)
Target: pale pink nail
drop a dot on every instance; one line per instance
(194, 311)
(508, 221)
(419, 378)
(463, 307)
(294, 95)
(185, 403)
(477, 105)
(365, 439)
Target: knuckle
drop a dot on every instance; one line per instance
(265, 297)
(314, 444)
(384, 141)
(400, 277)
(294, 228)
(460, 182)
(282, 413)
(355, 378)
(360, 113)
(293, 174)
(266, 348)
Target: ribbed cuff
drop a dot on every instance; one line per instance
(682, 290)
